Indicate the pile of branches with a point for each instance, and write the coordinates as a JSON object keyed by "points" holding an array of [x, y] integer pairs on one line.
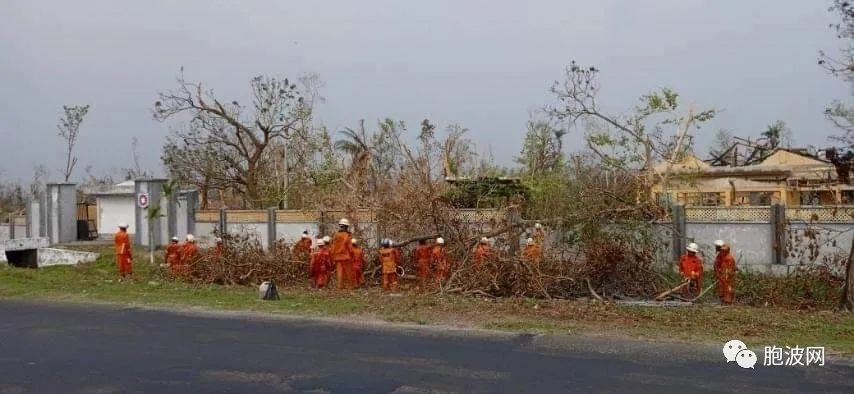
{"points": [[601, 269], [244, 261]]}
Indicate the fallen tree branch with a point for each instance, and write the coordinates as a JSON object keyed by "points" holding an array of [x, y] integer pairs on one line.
{"points": [[671, 291], [593, 292]]}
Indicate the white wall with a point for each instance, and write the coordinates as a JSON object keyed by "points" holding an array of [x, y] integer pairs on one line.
{"points": [[113, 210]]}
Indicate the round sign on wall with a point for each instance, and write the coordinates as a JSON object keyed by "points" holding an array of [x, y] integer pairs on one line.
{"points": [[142, 200]]}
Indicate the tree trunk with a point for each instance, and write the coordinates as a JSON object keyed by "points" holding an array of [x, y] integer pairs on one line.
{"points": [[847, 301]]}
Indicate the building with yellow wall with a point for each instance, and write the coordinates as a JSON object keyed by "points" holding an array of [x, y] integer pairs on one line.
{"points": [[786, 177]]}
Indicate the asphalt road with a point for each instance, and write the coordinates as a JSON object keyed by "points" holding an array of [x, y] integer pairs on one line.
{"points": [[84, 349]]}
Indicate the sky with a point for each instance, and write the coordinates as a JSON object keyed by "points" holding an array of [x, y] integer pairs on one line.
{"points": [[485, 65]]}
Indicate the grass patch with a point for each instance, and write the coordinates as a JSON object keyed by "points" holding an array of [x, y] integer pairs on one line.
{"points": [[757, 326]]}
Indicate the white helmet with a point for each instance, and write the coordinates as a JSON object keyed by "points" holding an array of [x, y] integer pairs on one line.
{"points": [[175, 239], [321, 242], [529, 241], [191, 238], [123, 225], [326, 239], [305, 234], [484, 240], [344, 222], [692, 247], [440, 241], [538, 226], [355, 241], [719, 243], [218, 240]]}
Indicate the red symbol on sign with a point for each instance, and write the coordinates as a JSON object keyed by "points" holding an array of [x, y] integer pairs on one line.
{"points": [[142, 200]]}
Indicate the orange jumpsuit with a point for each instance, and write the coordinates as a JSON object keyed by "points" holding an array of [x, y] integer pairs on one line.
{"points": [[341, 253], [189, 252], [173, 256], [441, 265], [389, 260], [124, 258], [482, 253], [533, 254], [421, 258], [302, 249], [691, 267], [320, 267], [725, 275], [358, 264]]}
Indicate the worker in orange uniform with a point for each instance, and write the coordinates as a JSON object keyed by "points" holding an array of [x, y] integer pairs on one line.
{"points": [[533, 253], [302, 248], [691, 269], [320, 265], [441, 265], [539, 235], [189, 254], [217, 252], [173, 254], [421, 260], [341, 252], [124, 256], [483, 252], [724, 273], [357, 264], [389, 260]]}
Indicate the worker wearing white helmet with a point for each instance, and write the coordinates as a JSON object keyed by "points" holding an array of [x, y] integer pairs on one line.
{"points": [[173, 254], [189, 254], [691, 269], [483, 252], [341, 253], [302, 248], [532, 252], [439, 259], [718, 244], [320, 266]]}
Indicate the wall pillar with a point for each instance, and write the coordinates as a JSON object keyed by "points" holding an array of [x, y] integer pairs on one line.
{"points": [[61, 212], [778, 233], [271, 229], [149, 228], [223, 222], [191, 201]]}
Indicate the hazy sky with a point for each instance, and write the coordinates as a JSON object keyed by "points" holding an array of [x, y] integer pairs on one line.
{"points": [[482, 64]]}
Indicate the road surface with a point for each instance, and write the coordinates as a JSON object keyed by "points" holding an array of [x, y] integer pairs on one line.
{"points": [[68, 348]]}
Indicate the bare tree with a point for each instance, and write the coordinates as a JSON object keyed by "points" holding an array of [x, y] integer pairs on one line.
{"points": [[69, 130], [634, 140], [237, 135]]}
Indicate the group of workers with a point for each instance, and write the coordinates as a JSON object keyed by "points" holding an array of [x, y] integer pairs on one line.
{"points": [[178, 255], [691, 270], [342, 255]]}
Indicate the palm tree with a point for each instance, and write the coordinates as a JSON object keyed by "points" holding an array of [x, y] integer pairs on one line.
{"points": [[355, 144]]}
